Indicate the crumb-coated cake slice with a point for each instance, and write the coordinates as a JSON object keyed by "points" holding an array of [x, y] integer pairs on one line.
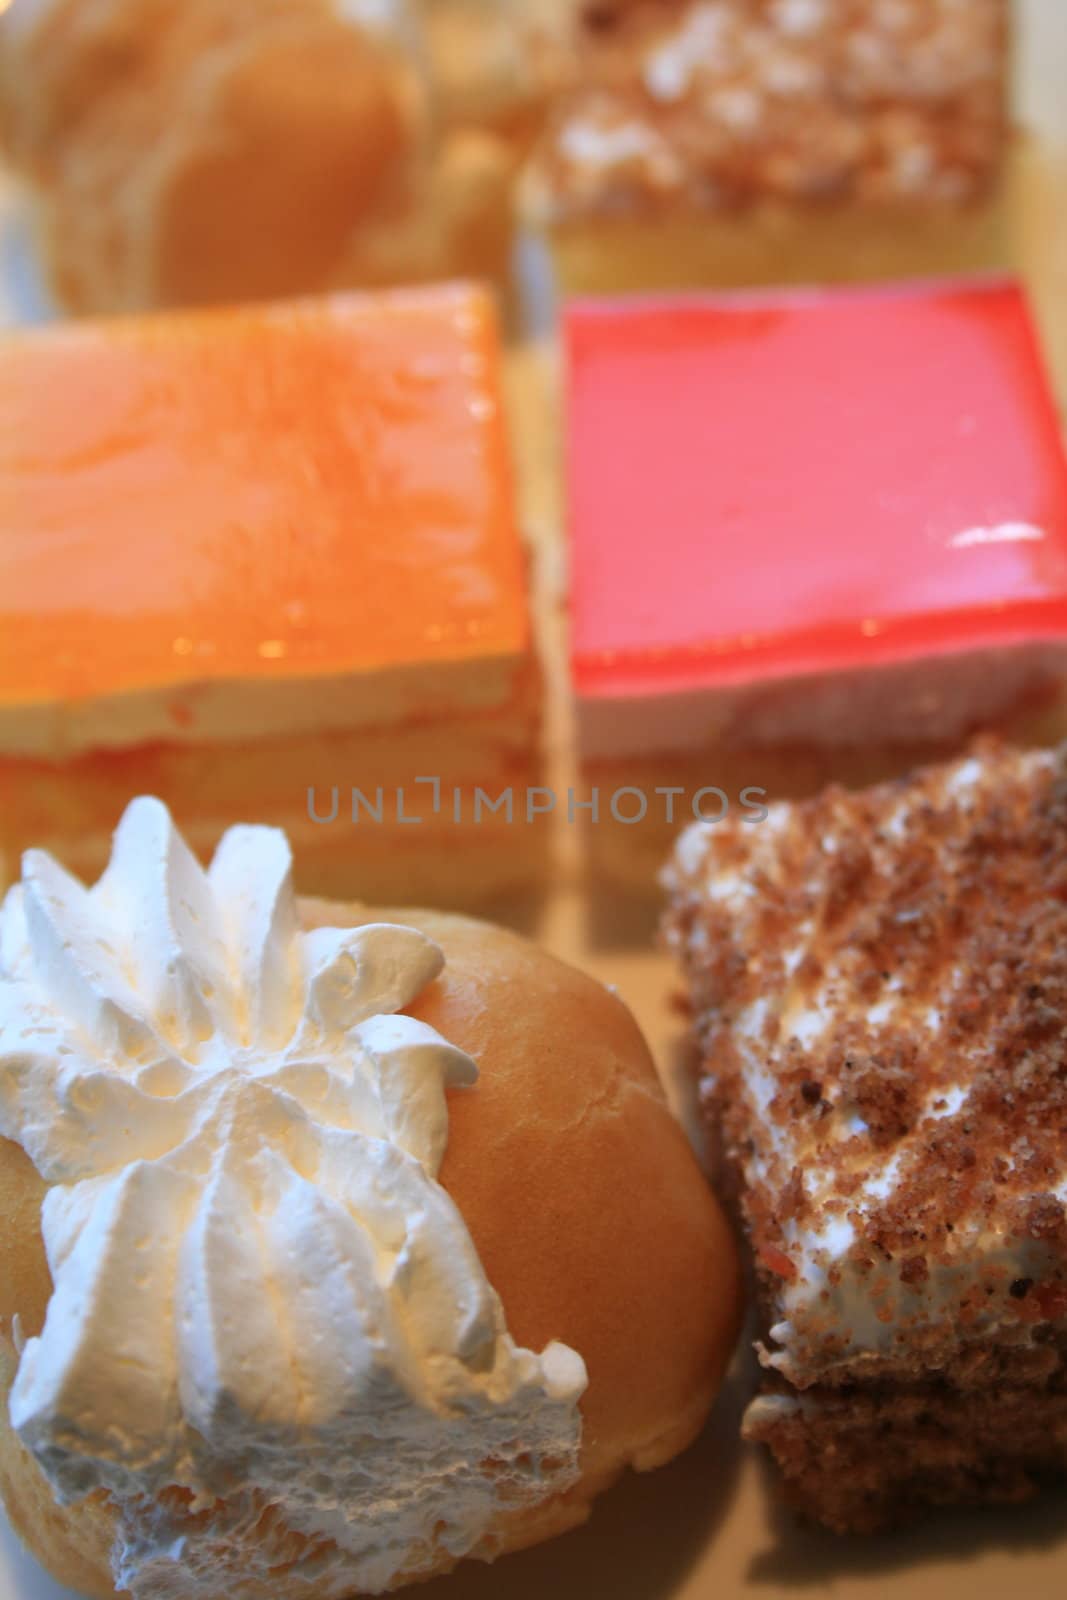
{"points": [[879, 982]]}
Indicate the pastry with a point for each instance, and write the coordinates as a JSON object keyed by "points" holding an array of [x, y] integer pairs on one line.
{"points": [[188, 151], [498, 67], [878, 982], [815, 536], [265, 562], [733, 142], [234, 149], [337, 1245]]}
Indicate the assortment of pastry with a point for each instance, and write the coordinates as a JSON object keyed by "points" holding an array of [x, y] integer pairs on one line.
{"points": [[228, 149], [340, 1244]]}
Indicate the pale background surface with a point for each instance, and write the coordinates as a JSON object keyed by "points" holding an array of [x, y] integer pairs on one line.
{"points": [[710, 1527]]}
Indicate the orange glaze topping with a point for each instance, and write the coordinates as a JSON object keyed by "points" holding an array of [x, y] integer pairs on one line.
{"points": [[302, 490]]}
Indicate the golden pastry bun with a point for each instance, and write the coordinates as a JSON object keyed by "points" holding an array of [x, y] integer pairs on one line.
{"points": [[184, 152], [593, 1222], [498, 65]]}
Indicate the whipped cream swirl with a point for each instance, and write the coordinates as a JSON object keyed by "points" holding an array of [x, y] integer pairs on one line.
{"points": [[270, 1340]]}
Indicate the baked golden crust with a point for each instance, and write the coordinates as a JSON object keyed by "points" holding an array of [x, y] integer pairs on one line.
{"points": [[74, 1542], [586, 1205], [566, 1154]]}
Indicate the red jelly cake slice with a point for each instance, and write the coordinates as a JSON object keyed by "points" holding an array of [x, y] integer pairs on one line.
{"points": [[815, 536]]}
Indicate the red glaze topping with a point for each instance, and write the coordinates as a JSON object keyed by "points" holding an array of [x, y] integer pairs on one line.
{"points": [[767, 485]]}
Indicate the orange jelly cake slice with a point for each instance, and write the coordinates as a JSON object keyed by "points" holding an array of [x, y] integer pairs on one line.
{"points": [[265, 564]]}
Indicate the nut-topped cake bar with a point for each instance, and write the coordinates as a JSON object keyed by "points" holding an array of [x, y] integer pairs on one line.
{"points": [[734, 142], [879, 982], [256, 560]]}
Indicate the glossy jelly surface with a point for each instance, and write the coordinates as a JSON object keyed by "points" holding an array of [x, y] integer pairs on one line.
{"points": [[307, 489], [768, 485]]}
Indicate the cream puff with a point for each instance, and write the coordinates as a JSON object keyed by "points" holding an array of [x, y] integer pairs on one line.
{"points": [[336, 1245]]}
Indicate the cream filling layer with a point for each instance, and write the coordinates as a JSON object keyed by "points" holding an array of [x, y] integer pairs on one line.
{"points": [[931, 700], [215, 710], [270, 1340]]}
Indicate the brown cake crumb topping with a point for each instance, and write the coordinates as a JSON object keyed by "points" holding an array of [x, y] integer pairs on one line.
{"points": [[880, 987], [726, 102]]}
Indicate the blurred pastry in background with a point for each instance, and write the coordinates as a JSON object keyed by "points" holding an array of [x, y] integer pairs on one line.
{"points": [[816, 536], [218, 150], [221, 150], [265, 562], [730, 142]]}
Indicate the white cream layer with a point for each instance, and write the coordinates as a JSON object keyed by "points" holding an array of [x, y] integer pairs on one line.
{"points": [[215, 710], [933, 700], [262, 1296]]}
